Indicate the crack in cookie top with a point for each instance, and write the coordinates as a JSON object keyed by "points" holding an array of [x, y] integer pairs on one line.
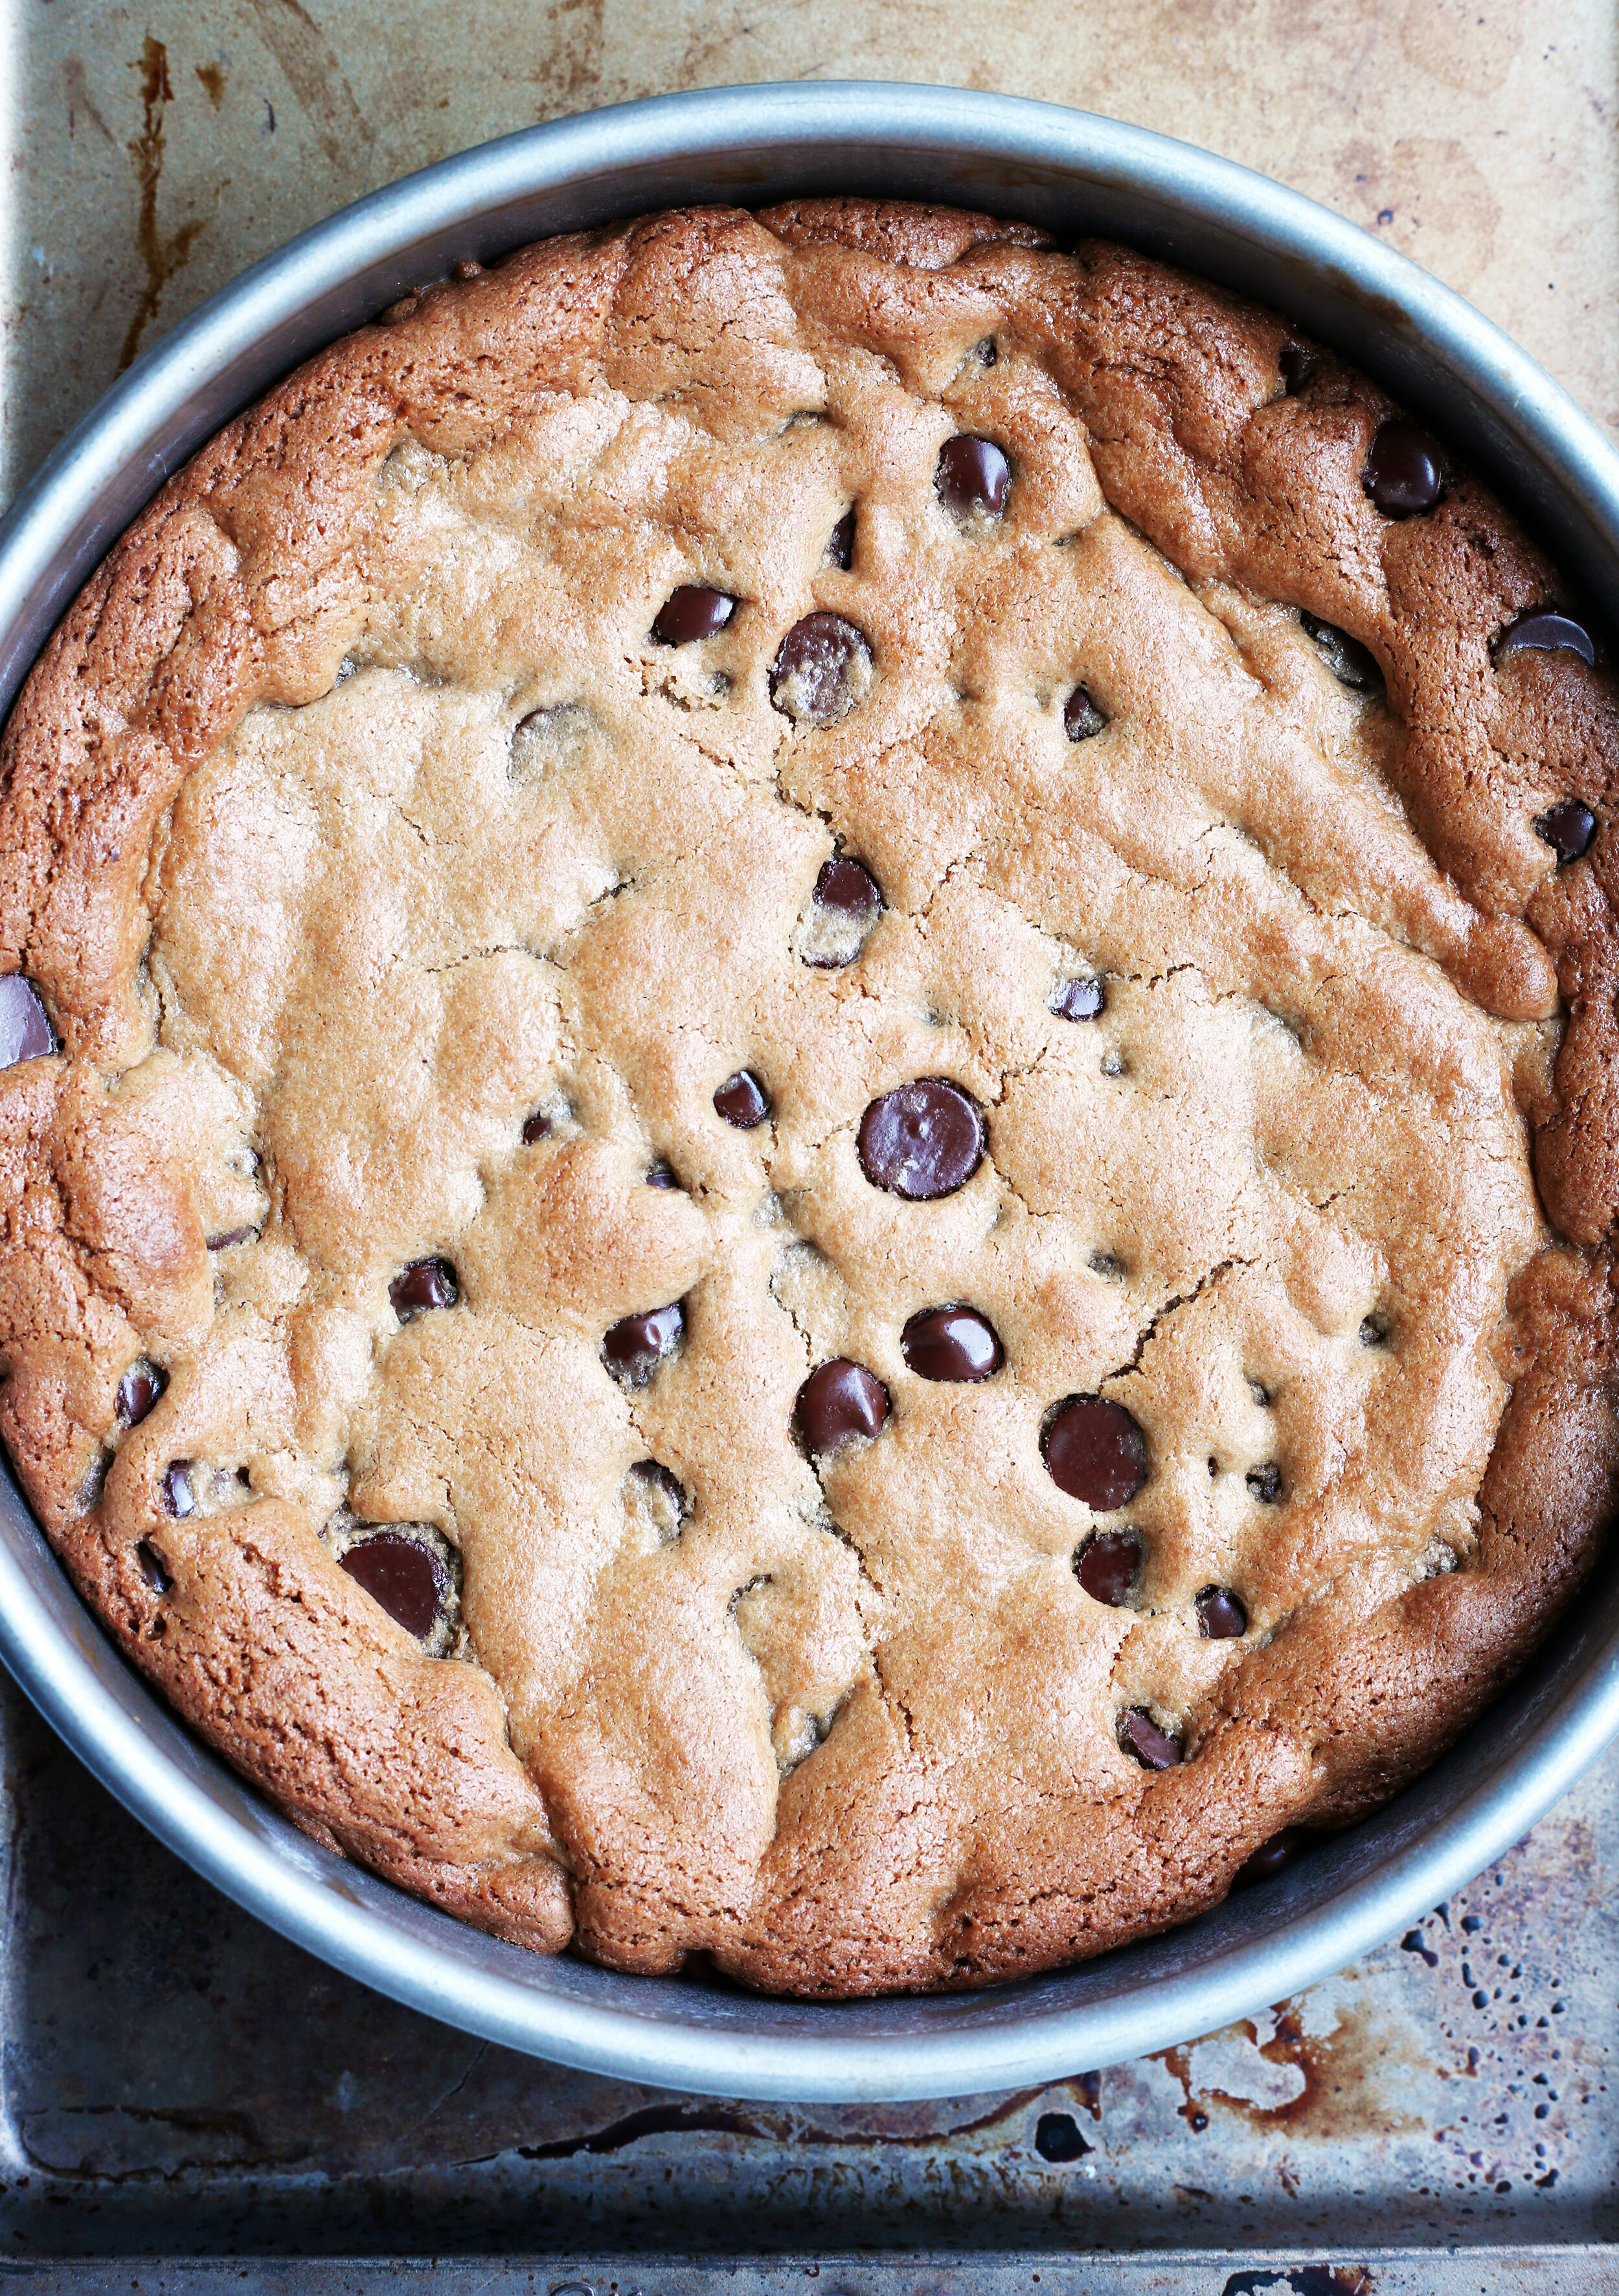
{"points": [[798, 1152]]}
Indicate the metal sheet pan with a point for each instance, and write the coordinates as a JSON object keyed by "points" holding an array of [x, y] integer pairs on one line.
{"points": [[1074, 173]]}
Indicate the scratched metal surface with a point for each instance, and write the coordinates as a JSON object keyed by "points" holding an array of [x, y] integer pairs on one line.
{"points": [[176, 2080]]}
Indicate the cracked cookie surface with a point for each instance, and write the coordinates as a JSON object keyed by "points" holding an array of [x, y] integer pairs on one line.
{"points": [[807, 987]]}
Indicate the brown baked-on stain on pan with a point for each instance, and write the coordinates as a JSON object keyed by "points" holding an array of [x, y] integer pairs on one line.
{"points": [[809, 1147]]}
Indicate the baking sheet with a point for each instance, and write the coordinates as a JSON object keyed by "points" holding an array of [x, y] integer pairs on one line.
{"points": [[176, 2079]]}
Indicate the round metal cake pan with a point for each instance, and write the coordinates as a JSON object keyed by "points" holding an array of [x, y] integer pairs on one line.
{"points": [[1076, 175]]}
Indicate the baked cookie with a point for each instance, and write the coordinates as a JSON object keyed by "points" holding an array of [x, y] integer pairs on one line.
{"points": [[810, 1146]]}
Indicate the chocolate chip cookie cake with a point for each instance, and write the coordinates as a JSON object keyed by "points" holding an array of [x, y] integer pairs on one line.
{"points": [[810, 1133]]}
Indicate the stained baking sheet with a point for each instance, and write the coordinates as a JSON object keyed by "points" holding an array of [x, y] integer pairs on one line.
{"points": [[176, 2082]]}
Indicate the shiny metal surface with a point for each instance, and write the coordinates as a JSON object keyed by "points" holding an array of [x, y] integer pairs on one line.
{"points": [[1075, 174]]}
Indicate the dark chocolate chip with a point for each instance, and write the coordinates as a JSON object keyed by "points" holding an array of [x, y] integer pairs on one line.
{"points": [[425, 1283], [1056, 2137], [972, 474], [1082, 998], [1544, 630], [951, 1343], [987, 352], [839, 1399], [139, 1390], [231, 1238], [839, 548], [1222, 1615], [1568, 829], [633, 1348], [1270, 1857], [25, 1033], [848, 889], [406, 1577], [922, 1140], [1082, 718], [536, 1127], [1108, 1565], [178, 1496], [1298, 363], [1095, 1451], [1374, 1329], [742, 1099], [153, 1569], [822, 671], [1151, 1746], [690, 613], [1402, 473], [1106, 1263], [1265, 1483], [1351, 663], [662, 1175]]}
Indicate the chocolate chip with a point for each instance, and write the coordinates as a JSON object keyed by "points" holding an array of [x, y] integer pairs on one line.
{"points": [[139, 1390], [1222, 1615], [848, 889], [1151, 1746], [406, 1578], [1350, 662], [25, 1033], [741, 1100], [839, 548], [1095, 1451], [153, 1569], [536, 1127], [839, 1399], [690, 613], [1568, 829], [1270, 1857], [822, 671], [843, 907], [1056, 2137], [1082, 998], [633, 1348], [232, 1237], [1108, 1565], [922, 1140], [425, 1283], [662, 1175], [972, 474], [1082, 718], [1265, 1483], [1297, 364], [178, 1496], [1544, 630], [950, 1343], [1374, 1329], [1107, 1264], [1402, 473]]}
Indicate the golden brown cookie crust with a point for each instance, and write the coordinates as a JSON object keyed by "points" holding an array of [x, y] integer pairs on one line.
{"points": [[353, 816]]}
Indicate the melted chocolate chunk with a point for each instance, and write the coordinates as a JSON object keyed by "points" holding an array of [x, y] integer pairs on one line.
{"points": [[139, 1390], [232, 1237], [633, 1348], [1096, 1452], [1222, 1615], [1403, 474], [1083, 721], [1151, 1746], [839, 1399], [972, 474], [741, 1100], [1108, 1565], [425, 1283], [692, 612], [951, 1343], [536, 1127], [1265, 1483], [1568, 829], [662, 1175], [1544, 630], [822, 671], [25, 1033], [1082, 998], [848, 889], [406, 1578], [1298, 363], [1270, 1857], [922, 1140], [153, 1569], [1351, 663], [178, 1496], [839, 548], [842, 908]]}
